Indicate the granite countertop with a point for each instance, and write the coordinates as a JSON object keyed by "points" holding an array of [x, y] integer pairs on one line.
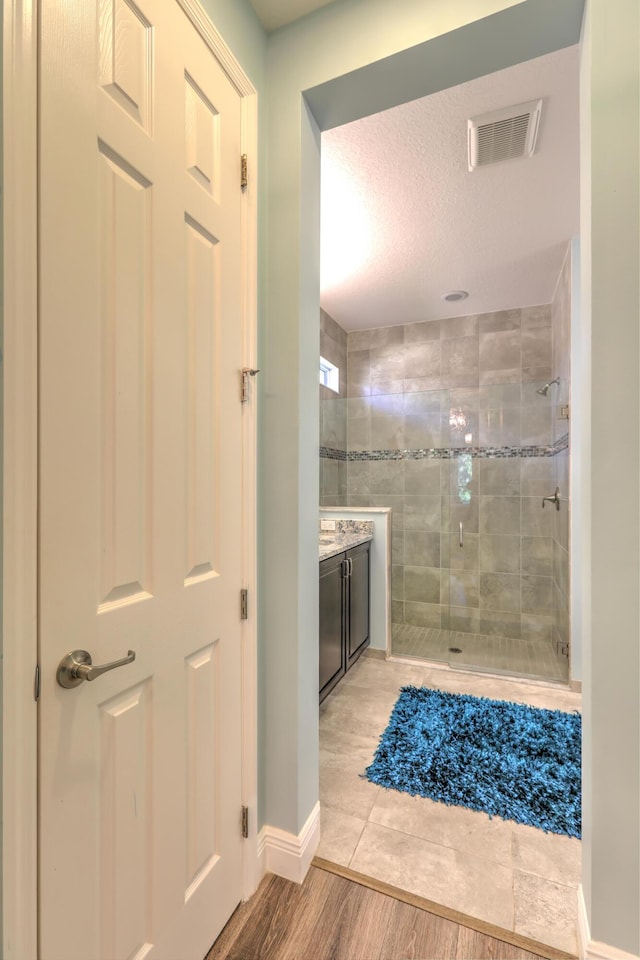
{"points": [[348, 534]]}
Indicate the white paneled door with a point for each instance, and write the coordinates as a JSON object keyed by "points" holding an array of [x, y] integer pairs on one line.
{"points": [[140, 485]]}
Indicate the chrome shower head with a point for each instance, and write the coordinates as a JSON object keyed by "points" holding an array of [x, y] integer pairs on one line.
{"points": [[543, 391]]}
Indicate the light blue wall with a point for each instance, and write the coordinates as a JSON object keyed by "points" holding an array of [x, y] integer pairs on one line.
{"points": [[1, 439], [238, 24], [611, 294], [327, 55]]}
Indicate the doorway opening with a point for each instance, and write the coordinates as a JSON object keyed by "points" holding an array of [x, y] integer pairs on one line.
{"points": [[455, 409]]}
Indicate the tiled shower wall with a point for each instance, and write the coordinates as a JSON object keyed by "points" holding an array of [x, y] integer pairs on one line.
{"points": [[450, 429], [444, 424], [333, 417]]}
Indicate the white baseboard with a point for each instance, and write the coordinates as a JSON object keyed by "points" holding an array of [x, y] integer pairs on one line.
{"points": [[589, 949], [584, 936], [286, 854], [602, 951]]}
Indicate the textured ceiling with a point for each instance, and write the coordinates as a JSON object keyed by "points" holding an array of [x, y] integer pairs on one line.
{"points": [[276, 13], [404, 221]]}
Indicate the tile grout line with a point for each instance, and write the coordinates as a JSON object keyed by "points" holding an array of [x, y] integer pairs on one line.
{"points": [[438, 843], [364, 824]]}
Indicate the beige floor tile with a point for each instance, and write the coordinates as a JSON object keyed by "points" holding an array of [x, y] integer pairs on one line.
{"points": [[337, 739], [547, 855], [479, 888], [342, 787], [453, 681], [362, 695], [363, 711], [385, 674], [469, 831], [553, 700], [545, 910], [339, 835]]}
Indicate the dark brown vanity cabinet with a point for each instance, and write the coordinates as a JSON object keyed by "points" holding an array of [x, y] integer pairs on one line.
{"points": [[344, 613]]}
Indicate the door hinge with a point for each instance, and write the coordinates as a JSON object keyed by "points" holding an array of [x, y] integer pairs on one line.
{"points": [[36, 683], [245, 373], [245, 823], [244, 604], [243, 171]]}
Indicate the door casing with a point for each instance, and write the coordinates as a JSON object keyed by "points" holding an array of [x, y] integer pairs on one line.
{"points": [[20, 452]]}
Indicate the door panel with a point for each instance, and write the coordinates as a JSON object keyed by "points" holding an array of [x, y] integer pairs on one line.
{"points": [[125, 839], [332, 625], [140, 506], [203, 726], [202, 311], [125, 306], [125, 39], [358, 600]]}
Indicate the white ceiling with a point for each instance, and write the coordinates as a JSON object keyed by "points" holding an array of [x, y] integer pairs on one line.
{"points": [[276, 13], [404, 221]]}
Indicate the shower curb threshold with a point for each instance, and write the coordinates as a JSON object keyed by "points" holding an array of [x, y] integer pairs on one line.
{"points": [[460, 671]]}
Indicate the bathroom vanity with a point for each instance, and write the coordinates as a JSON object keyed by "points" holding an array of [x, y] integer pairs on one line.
{"points": [[344, 602]]}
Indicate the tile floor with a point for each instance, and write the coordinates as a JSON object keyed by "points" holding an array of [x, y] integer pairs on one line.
{"points": [[508, 874], [535, 659]]}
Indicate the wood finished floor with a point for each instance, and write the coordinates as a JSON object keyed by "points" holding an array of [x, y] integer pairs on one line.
{"points": [[332, 918]]}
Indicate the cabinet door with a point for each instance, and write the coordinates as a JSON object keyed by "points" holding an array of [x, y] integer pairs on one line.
{"points": [[358, 627], [332, 626]]}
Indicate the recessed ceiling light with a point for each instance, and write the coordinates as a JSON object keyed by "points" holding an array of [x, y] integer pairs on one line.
{"points": [[455, 295]]}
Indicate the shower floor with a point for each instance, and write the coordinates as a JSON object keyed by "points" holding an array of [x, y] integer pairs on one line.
{"points": [[534, 659]]}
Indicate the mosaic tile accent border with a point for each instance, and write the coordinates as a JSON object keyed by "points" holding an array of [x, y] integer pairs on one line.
{"points": [[449, 453], [330, 453]]}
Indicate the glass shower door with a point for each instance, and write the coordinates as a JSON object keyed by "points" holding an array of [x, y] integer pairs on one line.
{"points": [[501, 545], [461, 547], [420, 529]]}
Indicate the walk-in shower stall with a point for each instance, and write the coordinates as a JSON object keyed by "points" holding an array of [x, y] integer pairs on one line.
{"points": [[461, 426]]}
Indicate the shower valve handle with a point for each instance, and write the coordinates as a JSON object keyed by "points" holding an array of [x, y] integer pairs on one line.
{"points": [[554, 499]]}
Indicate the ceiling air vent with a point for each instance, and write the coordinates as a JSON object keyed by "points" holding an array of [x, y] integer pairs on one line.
{"points": [[504, 134]]}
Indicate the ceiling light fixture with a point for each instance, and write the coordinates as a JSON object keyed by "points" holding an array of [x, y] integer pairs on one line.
{"points": [[455, 295]]}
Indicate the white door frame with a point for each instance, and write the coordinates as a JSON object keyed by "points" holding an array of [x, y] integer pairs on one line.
{"points": [[20, 466]]}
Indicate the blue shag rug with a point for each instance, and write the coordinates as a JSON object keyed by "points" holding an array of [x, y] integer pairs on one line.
{"points": [[508, 760]]}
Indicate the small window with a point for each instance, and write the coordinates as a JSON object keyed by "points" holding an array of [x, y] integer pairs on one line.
{"points": [[329, 375]]}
